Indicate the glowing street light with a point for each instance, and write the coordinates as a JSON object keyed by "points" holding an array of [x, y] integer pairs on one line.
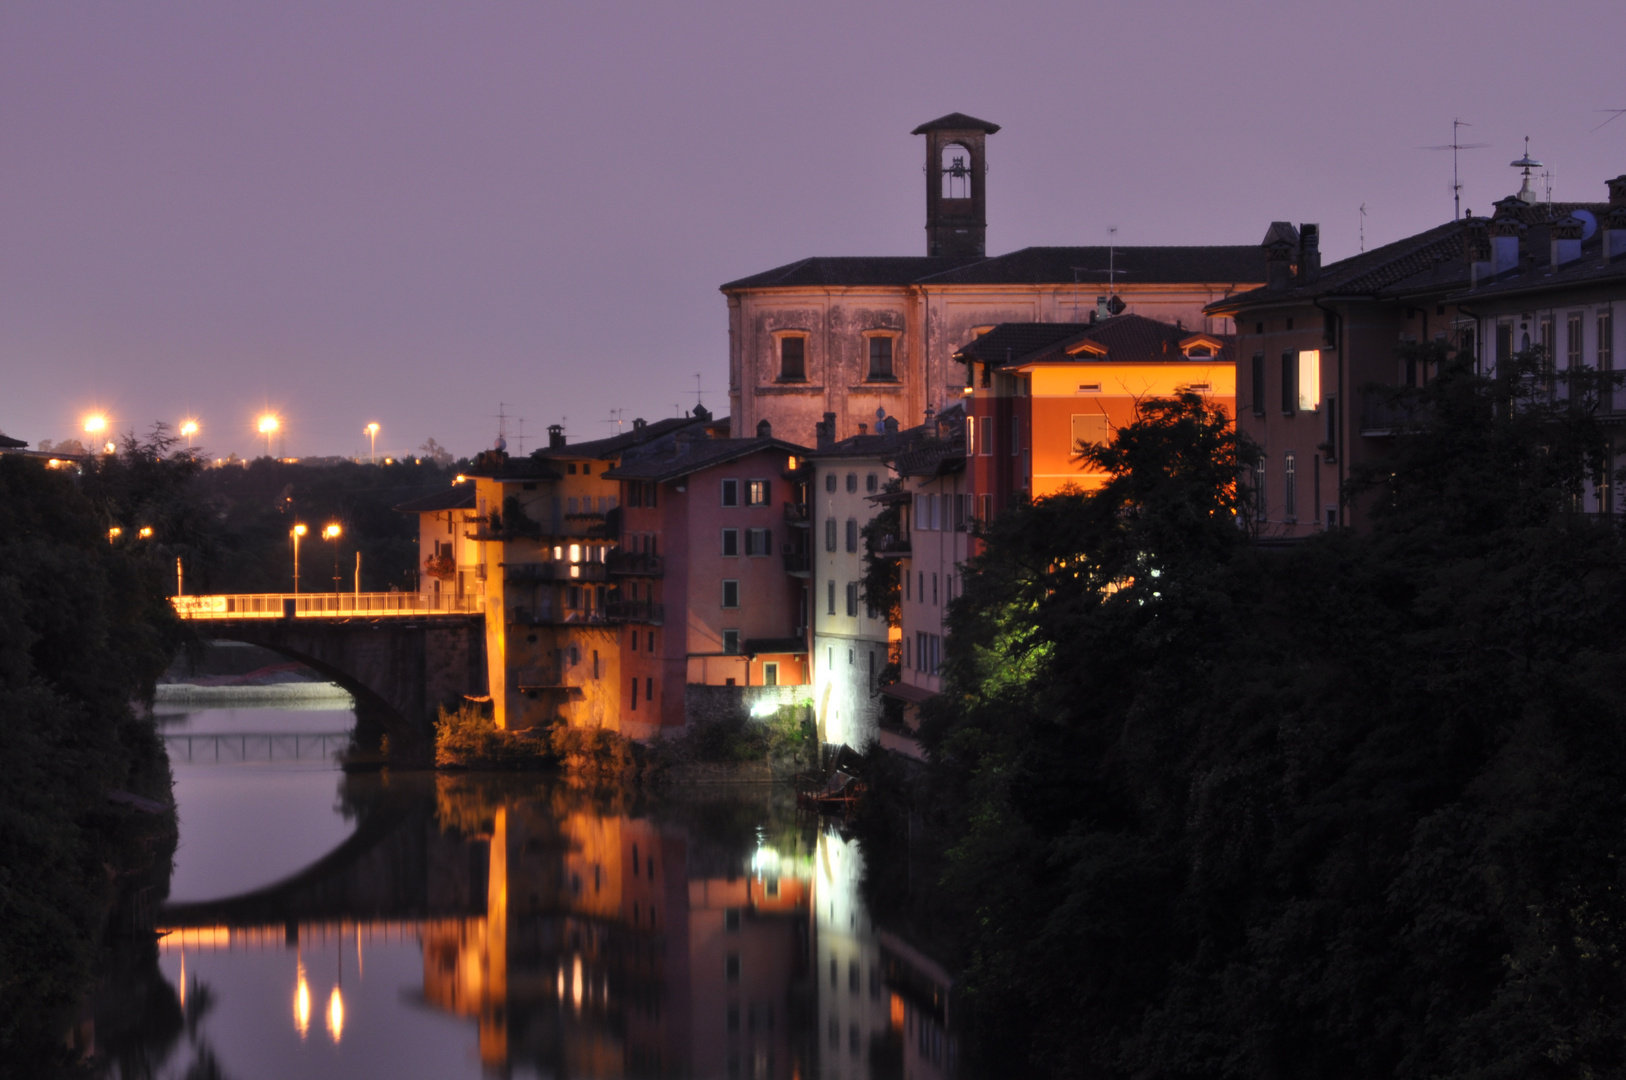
{"points": [[189, 432], [145, 532], [269, 423], [296, 533], [95, 423], [332, 532], [372, 442], [114, 533]]}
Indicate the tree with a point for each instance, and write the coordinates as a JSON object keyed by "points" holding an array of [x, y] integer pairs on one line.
{"points": [[436, 453]]}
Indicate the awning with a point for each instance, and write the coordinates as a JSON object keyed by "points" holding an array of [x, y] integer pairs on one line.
{"points": [[914, 695]]}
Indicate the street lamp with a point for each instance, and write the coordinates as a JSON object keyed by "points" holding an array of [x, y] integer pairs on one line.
{"points": [[95, 423], [298, 531], [372, 442], [189, 431], [331, 532], [268, 426]]}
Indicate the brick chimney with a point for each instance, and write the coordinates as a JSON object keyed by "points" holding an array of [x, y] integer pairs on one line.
{"points": [[1476, 248], [556, 436], [1565, 236], [1507, 236], [1309, 252]]}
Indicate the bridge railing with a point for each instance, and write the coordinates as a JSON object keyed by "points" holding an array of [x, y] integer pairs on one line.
{"points": [[325, 605]]}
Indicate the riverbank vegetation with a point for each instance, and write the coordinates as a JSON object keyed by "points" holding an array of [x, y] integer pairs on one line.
{"points": [[85, 631], [1348, 808]]}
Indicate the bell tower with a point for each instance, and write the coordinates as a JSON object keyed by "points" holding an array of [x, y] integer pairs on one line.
{"points": [[956, 198]]}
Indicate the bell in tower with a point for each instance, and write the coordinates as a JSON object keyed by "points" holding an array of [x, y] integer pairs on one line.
{"points": [[956, 201]]}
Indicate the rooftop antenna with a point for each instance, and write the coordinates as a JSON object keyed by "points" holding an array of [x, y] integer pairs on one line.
{"points": [[1363, 226], [1617, 114], [1455, 145], [1111, 272], [1547, 178], [502, 426], [697, 390], [615, 418], [1527, 194], [519, 440]]}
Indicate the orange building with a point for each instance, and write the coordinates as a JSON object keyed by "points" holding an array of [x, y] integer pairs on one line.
{"points": [[1034, 391]]}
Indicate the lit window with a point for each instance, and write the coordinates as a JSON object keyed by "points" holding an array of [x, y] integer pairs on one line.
{"points": [[1309, 380], [757, 492]]}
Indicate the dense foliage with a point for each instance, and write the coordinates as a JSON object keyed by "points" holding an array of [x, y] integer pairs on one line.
{"points": [[1348, 809], [85, 630]]}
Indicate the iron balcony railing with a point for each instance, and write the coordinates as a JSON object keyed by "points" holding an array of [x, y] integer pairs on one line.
{"points": [[798, 513], [554, 571], [644, 611], [636, 564], [326, 605]]}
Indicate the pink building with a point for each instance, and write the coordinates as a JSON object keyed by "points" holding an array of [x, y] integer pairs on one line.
{"points": [[723, 577]]}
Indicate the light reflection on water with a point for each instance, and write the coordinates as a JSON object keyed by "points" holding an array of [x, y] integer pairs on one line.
{"points": [[418, 925]]}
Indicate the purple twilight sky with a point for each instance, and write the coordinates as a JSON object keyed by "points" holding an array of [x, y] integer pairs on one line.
{"points": [[410, 212]]}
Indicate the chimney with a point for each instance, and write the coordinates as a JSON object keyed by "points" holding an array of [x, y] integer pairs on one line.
{"points": [[1309, 252], [764, 429], [556, 436], [1100, 311], [681, 443], [825, 432], [1614, 222], [1507, 235], [1281, 244], [892, 425], [638, 424], [863, 429], [1476, 248], [1566, 239]]}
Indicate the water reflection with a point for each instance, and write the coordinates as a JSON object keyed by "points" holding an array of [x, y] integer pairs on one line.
{"points": [[501, 926]]}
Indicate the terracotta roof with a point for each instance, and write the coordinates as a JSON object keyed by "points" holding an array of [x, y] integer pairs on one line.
{"points": [[1231, 264], [665, 459], [616, 445], [460, 497], [956, 121], [1126, 338]]}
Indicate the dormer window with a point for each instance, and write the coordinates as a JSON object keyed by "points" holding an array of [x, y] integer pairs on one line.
{"points": [[1199, 352], [1200, 347], [792, 358]]}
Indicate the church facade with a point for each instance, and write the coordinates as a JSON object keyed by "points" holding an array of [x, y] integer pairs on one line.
{"points": [[871, 337]]}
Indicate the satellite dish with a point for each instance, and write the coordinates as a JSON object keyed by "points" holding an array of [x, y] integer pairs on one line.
{"points": [[880, 414], [1589, 222], [502, 443]]}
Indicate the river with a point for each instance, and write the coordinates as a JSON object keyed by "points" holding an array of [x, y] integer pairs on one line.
{"points": [[325, 924]]}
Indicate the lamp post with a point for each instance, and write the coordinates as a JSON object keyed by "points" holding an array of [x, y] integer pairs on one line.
{"points": [[268, 427], [372, 443], [298, 531], [189, 432], [331, 532]]}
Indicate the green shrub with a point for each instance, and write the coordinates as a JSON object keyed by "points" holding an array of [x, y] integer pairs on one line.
{"points": [[467, 738]]}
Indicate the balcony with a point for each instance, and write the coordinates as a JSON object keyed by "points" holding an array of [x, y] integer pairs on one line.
{"points": [[800, 514], [636, 564], [639, 611], [570, 573], [894, 547], [546, 677], [798, 563]]}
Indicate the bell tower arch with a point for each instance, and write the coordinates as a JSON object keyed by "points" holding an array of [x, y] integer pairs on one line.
{"points": [[956, 195]]}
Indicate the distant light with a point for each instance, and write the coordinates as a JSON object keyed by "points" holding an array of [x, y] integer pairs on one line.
{"points": [[114, 533], [108, 447], [300, 530], [372, 429], [331, 531], [335, 1015], [146, 532], [269, 423], [460, 479], [189, 428], [94, 423]]}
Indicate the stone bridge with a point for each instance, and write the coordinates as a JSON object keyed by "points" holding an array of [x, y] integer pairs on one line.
{"points": [[401, 655]]}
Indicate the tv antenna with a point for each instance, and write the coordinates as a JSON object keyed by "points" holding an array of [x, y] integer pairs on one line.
{"points": [[1617, 114], [1456, 145], [697, 390], [502, 426], [615, 418], [1114, 305], [1363, 226]]}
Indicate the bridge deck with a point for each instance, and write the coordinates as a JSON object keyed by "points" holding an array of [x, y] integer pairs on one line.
{"points": [[371, 605]]}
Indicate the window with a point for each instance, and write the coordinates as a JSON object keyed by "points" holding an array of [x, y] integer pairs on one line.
{"points": [[985, 436], [1309, 380], [759, 542], [1260, 507], [1572, 342], [852, 482], [635, 690], [830, 482], [731, 542], [731, 642], [731, 593], [731, 919], [1089, 428], [770, 674], [971, 437], [872, 484], [830, 597], [731, 493], [852, 599], [793, 359], [1258, 384], [829, 534], [757, 492], [985, 508], [1606, 358], [595, 663], [880, 357], [651, 641], [649, 693], [731, 967], [1504, 344], [852, 534], [1290, 488]]}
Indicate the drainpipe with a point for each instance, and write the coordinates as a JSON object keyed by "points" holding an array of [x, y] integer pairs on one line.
{"points": [[1340, 424]]}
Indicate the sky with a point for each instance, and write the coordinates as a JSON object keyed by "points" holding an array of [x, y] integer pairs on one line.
{"points": [[421, 214]]}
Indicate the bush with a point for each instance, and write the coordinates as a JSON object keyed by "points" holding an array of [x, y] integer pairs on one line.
{"points": [[466, 738]]}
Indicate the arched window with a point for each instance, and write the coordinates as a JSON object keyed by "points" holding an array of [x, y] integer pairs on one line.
{"points": [[956, 172]]}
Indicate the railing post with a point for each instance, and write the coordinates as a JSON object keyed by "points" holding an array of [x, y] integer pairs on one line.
{"points": [[289, 608]]}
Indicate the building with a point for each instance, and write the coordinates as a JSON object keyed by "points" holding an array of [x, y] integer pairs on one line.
{"points": [[934, 506], [448, 559], [707, 514], [851, 639], [1316, 345], [1036, 390], [850, 336]]}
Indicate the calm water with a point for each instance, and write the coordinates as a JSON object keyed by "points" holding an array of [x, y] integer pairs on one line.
{"points": [[331, 925]]}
